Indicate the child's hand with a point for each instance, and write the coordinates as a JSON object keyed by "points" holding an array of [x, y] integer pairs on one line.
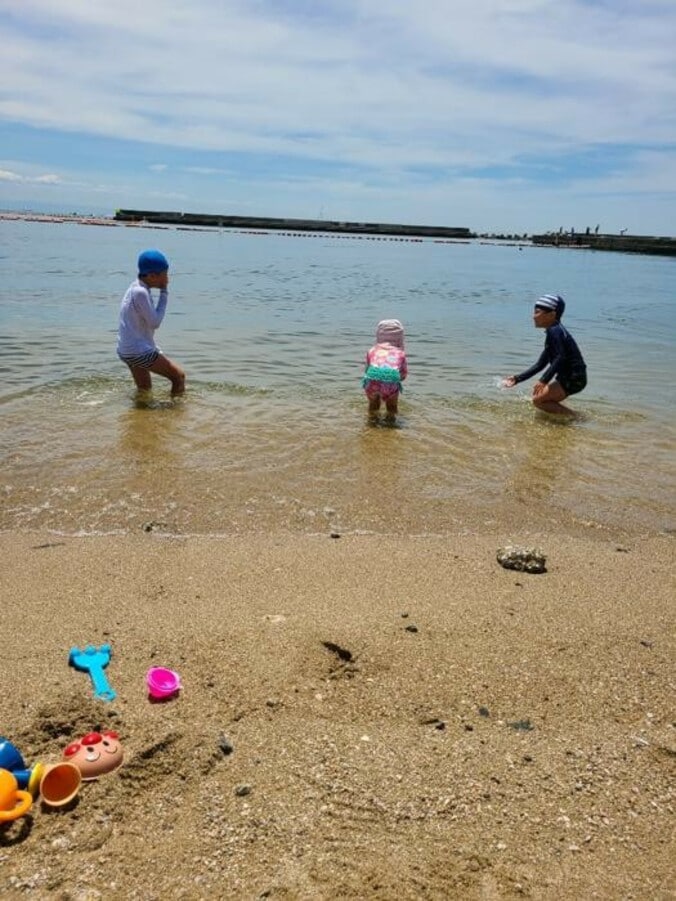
{"points": [[538, 388], [509, 382]]}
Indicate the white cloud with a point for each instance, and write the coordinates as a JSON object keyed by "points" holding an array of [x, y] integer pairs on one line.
{"points": [[208, 170], [16, 177], [50, 179], [223, 77], [374, 89]]}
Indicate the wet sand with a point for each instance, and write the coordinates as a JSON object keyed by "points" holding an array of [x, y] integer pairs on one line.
{"points": [[361, 717]]}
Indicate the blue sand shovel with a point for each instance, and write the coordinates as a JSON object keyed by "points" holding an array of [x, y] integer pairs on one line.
{"points": [[93, 661]]}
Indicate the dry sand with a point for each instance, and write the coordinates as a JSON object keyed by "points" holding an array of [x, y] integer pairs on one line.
{"points": [[408, 719]]}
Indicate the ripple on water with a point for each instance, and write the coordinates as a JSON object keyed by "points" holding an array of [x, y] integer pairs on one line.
{"points": [[234, 458]]}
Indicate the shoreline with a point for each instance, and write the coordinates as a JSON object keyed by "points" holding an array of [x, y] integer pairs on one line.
{"points": [[647, 245], [408, 718]]}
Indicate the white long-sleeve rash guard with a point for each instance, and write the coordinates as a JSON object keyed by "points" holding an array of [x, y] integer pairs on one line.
{"points": [[139, 319]]}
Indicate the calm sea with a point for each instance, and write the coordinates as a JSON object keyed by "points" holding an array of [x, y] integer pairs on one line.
{"points": [[272, 330]]}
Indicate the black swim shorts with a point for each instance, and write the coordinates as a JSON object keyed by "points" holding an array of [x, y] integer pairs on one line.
{"points": [[573, 383]]}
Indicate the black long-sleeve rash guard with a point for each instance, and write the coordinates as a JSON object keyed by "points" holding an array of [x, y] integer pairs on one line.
{"points": [[561, 353]]}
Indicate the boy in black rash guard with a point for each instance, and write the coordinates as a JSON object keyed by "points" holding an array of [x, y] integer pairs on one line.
{"points": [[566, 371]]}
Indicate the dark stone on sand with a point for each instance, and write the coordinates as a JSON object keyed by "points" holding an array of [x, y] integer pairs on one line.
{"points": [[225, 745], [342, 653], [521, 726], [438, 724], [522, 559]]}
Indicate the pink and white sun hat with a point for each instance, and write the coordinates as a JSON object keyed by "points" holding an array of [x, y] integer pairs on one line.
{"points": [[390, 331]]}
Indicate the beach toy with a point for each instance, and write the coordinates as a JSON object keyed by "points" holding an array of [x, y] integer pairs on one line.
{"points": [[11, 759], [10, 756], [162, 682], [95, 754], [35, 779], [59, 784], [93, 661], [14, 802]]}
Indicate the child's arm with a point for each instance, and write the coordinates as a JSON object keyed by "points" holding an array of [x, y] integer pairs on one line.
{"points": [[144, 305], [403, 368], [161, 307], [542, 361]]}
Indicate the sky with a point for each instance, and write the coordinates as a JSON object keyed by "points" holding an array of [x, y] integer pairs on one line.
{"points": [[502, 116]]}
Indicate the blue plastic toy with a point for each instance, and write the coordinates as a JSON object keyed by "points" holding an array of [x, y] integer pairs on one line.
{"points": [[11, 759], [93, 661]]}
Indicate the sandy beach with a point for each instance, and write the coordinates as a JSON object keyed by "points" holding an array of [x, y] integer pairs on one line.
{"points": [[361, 717]]}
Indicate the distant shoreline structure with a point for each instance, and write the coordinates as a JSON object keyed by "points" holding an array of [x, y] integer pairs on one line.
{"points": [[646, 244], [153, 219], [297, 225]]}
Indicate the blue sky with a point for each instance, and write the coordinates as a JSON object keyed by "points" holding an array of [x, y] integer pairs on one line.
{"points": [[500, 115]]}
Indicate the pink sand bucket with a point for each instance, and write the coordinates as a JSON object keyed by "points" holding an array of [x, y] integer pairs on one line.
{"points": [[162, 682]]}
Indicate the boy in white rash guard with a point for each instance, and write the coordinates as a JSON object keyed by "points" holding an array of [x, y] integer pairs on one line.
{"points": [[139, 319]]}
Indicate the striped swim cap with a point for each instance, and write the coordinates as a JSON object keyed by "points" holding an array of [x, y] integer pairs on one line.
{"points": [[551, 302]]}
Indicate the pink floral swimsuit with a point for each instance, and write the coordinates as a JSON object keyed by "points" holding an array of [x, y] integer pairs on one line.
{"points": [[386, 369]]}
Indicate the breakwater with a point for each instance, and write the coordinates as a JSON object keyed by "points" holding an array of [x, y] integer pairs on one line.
{"points": [[662, 246], [299, 225]]}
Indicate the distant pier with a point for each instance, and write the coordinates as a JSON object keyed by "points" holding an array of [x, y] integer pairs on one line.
{"points": [[622, 243], [298, 225]]}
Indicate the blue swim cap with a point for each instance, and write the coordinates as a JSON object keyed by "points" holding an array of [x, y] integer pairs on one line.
{"points": [[152, 261]]}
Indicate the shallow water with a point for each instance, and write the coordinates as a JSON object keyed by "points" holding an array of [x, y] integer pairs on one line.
{"points": [[272, 330]]}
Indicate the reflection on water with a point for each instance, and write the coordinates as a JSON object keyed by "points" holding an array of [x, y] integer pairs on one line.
{"points": [[149, 431], [382, 465], [88, 457], [543, 451]]}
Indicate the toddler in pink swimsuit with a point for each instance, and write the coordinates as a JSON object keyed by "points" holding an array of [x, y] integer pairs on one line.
{"points": [[386, 368]]}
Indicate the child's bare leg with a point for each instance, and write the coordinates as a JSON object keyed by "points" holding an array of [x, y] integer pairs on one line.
{"points": [[164, 366], [549, 400], [141, 378], [392, 406], [374, 405]]}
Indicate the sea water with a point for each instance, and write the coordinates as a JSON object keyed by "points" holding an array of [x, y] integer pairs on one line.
{"points": [[272, 329]]}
